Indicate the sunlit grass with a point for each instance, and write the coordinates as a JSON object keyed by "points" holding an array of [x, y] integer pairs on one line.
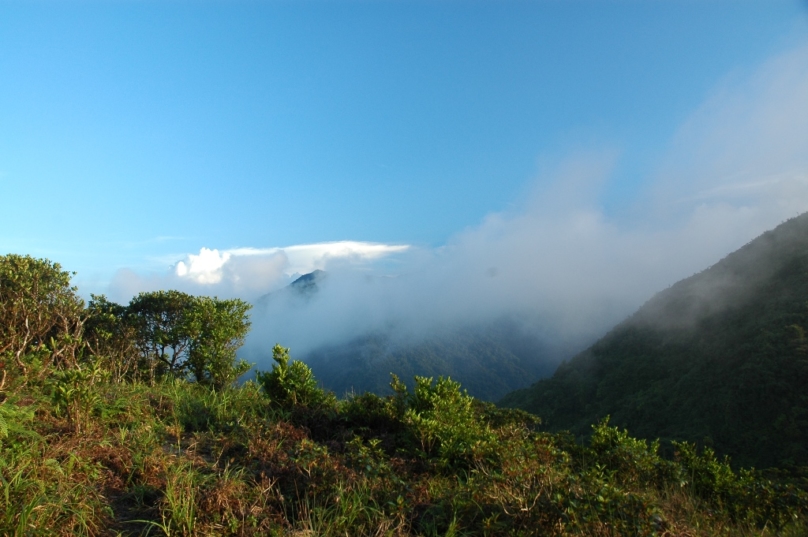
{"points": [[180, 459]]}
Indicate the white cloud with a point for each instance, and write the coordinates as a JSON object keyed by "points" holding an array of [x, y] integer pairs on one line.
{"points": [[249, 272], [205, 268], [305, 258], [737, 167]]}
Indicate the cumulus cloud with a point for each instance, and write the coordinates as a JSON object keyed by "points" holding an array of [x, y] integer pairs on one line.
{"points": [[205, 268]]}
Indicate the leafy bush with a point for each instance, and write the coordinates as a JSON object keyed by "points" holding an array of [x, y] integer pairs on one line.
{"points": [[744, 496], [291, 385], [39, 311], [110, 335], [443, 420], [73, 392], [633, 460]]}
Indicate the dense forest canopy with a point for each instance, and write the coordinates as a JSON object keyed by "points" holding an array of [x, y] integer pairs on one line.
{"points": [[489, 359]]}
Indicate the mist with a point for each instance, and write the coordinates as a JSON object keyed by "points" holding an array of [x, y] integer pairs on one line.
{"points": [[558, 260]]}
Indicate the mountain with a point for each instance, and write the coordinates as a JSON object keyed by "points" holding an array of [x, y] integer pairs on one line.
{"points": [[720, 358], [308, 282], [303, 287], [488, 360]]}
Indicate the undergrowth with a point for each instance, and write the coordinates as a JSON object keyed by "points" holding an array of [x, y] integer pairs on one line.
{"points": [[178, 458]]}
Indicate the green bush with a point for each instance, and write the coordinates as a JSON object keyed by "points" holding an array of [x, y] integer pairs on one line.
{"points": [[633, 460], [40, 316], [443, 420], [74, 393], [291, 385]]}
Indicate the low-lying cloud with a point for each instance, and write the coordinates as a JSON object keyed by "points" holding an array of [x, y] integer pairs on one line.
{"points": [[737, 167]]}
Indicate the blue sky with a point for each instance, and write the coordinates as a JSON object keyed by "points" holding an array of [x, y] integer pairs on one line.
{"points": [[134, 134]]}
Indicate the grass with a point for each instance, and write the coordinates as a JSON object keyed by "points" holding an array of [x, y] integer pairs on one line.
{"points": [[178, 459]]}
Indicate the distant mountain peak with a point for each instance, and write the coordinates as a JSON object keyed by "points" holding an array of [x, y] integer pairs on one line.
{"points": [[303, 286], [308, 282]]}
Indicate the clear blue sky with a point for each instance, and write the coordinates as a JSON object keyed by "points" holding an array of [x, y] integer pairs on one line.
{"points": [[134, 131]]}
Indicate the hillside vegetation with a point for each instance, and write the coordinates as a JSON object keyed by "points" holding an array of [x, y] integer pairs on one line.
{"points": [[720, 359], [489, 360], [125, 420]]}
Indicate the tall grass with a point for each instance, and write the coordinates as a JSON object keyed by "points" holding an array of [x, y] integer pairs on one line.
{"points": [[179, 459]]}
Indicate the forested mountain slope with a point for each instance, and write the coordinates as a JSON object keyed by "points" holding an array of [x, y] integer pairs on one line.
{"points": [[719, 358], [489, 359]]}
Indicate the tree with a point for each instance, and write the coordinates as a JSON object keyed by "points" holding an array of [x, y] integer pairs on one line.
{"points": [[110, 335], [218, 328], [163, 322], [40, 314], [178, 334]]}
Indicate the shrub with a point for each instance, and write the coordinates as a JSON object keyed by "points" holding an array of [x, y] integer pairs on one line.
{"points": [[291, 385], [443, 420], [632, 459], [744, 496], [39, 311], [74, 392]]}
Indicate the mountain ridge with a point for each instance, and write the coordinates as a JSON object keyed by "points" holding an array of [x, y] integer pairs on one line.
{"points": [[489, 359], [718, 358]]}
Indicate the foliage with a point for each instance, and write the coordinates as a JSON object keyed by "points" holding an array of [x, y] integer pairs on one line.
{"points": [[39, 310], [169, 333], [444, 421], [164, 330], [290, 385], [73, 393], [110, 335], [14, 421], [178, 458], [219, 328], [633, 460]]}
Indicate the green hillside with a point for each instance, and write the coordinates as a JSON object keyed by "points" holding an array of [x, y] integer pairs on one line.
{"points": [[720, 358]]}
